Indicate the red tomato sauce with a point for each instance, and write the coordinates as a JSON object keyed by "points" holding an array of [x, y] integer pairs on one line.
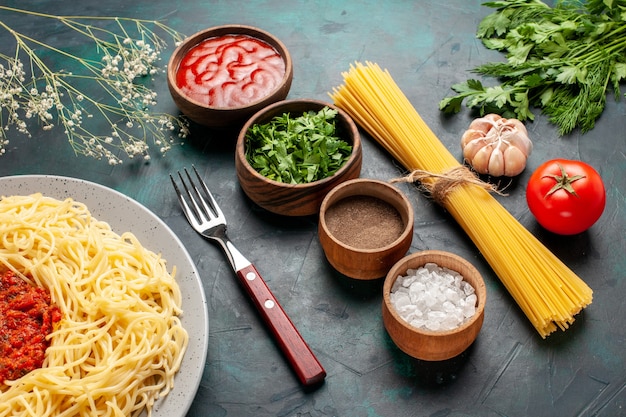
{"points": [[26, 318], [230, 71]]}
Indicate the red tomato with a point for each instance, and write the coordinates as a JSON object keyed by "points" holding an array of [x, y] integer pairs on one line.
{"points": [[566, 197]]}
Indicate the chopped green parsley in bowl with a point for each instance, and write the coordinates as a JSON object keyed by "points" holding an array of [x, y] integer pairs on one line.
{"points": [[292, 153]]}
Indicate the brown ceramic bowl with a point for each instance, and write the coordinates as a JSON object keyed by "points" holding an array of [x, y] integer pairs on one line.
{"points": [[295, 199], [358, 259], [433, 345], [222, 117]]}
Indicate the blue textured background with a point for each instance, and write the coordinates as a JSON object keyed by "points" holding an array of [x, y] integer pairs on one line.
{"points": [[427, 46]]}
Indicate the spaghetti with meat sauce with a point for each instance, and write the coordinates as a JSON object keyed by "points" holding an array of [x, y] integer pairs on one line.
{"points": [[111, 306]]}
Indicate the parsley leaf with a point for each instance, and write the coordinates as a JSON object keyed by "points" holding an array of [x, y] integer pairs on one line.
{"points": [[297, 150], [560, 59]]}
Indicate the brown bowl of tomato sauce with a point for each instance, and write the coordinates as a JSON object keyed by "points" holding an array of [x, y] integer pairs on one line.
{"points": [[221, 76]]}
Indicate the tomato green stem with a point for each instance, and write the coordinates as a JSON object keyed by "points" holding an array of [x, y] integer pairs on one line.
{"points": [[563, 182]]}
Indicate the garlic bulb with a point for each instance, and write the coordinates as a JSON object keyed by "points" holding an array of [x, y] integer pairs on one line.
{"points": [[496, 146]]}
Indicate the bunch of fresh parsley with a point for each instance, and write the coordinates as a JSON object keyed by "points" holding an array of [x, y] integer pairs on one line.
{"points": [[561, 59], [297, 150]]}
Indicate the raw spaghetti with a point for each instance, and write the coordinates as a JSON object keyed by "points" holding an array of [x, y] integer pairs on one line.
{"points": [[120, 340], [548, 292]]}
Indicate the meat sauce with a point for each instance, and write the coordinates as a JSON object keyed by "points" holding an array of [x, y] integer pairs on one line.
{"points": [[230, 71], [27, 317]]}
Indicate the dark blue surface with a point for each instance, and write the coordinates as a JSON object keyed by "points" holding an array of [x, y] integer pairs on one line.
{"points": [[427, 46]]}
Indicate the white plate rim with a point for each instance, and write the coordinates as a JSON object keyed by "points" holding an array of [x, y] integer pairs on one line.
{"points": [[104, 203]]}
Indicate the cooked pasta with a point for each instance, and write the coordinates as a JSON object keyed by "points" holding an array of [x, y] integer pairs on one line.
{"points": [[120, 340], [548, 292]]}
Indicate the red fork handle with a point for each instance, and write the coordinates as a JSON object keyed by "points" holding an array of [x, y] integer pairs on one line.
{"points": [[303, 361]]}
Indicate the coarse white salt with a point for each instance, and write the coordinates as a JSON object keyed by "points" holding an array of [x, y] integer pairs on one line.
{"points": [[433, 298]]}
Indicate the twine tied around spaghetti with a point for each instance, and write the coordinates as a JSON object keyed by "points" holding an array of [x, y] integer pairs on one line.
{"points": [[438, 186]]}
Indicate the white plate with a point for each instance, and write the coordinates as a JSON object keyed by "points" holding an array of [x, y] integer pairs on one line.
{"points": [[126, 214]]}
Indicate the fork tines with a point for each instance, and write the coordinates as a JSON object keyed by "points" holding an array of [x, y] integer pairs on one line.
{"points": [[203, 206]]}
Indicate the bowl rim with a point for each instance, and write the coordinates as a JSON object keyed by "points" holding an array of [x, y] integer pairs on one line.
{"points": [[482, 299], [228, 29], [241, 137], [407, 211]]}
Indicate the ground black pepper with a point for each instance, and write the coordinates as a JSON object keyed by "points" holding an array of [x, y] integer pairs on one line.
{"points": [[364, 222]]}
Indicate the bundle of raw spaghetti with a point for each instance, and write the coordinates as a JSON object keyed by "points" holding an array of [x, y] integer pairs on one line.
{"points": [[549, 293], [120, 340]]}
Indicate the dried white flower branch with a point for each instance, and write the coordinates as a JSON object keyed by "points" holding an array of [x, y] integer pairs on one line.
{"points": [[36, 93]]}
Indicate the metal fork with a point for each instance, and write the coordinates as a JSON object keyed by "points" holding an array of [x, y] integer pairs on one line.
{"points": [[207, 219]]}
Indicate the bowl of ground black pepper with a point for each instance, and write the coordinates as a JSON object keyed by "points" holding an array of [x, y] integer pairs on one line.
{"points": [[365, 227]]}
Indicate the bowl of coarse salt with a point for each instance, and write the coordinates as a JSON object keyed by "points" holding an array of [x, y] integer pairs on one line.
{"points": [[433, 305]]}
